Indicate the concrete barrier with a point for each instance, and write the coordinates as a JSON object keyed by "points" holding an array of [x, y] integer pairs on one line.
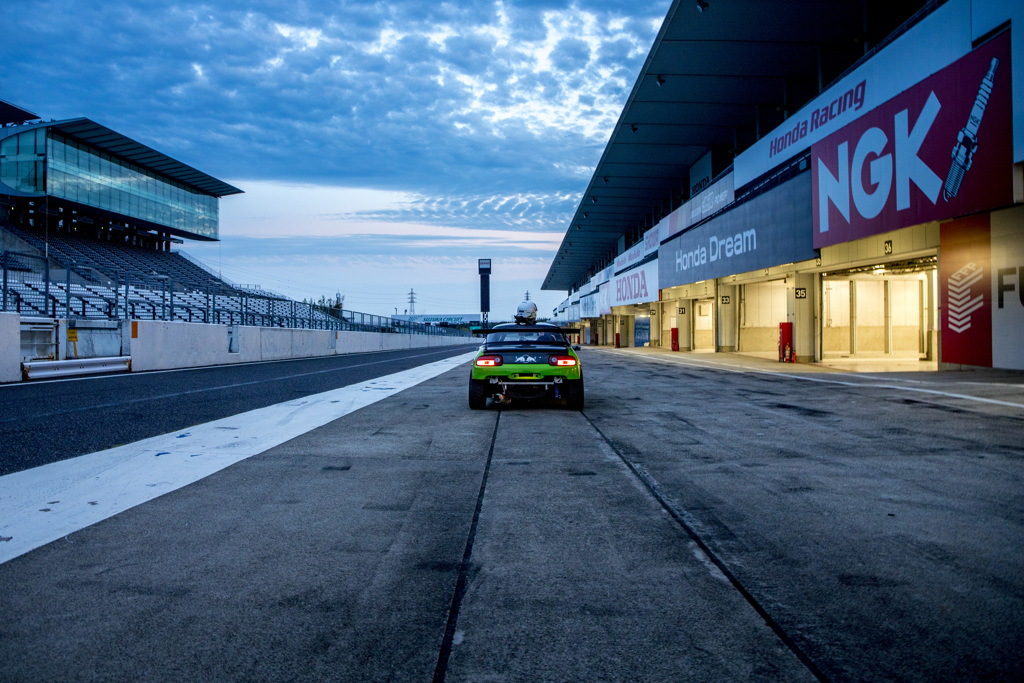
{"points": [[159, 345], [278, 343], [10, 347], [96, 339]]}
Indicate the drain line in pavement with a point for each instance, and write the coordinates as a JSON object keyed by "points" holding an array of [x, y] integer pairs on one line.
{"points": [[463, 581], [653, 488]]}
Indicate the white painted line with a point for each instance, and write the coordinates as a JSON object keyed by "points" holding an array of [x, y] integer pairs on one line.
{"points": [[43, 504], [743, 369]]}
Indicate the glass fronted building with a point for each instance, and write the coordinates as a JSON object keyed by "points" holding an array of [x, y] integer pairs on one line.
{"points": [[90, 168]]}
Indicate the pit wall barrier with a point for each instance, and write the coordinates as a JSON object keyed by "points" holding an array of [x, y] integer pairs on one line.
{"points": [[160, 345], [10, 347], [164, 345]]}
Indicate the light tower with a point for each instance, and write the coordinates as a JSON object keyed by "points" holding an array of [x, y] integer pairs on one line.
{"points": [[484, 268]]}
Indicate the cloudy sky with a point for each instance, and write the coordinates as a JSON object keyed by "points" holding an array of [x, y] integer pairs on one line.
{"points": [[382, 146]]}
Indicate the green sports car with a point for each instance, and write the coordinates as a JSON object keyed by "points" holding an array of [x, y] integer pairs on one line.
{"points": [[526, 361]]}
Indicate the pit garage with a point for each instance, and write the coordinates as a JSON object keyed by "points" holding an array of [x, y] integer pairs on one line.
{"points": [[762, 307], [886, 310]]}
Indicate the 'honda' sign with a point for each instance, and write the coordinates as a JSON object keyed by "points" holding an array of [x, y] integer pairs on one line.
{"points": [[636, 286], [938, 150]]}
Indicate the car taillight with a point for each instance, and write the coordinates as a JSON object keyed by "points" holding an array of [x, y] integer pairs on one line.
{"points": [[488, 361], [562, 361]]}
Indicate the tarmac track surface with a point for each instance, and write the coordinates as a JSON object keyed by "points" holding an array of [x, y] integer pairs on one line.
{"points": [[693, 523], [42, 422]]}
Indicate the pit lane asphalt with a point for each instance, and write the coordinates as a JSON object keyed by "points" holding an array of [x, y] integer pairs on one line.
{"points": [[43, 422], [880, 529]]}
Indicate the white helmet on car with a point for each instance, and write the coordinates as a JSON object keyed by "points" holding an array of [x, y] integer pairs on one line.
{"points": [[526, 314]]}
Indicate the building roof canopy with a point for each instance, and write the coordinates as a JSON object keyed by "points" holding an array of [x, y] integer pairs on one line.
{"points": [[718, 79], [10, 113], [116, 144]]}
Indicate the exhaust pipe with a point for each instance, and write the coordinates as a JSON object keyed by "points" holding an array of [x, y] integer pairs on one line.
{"points": [[499, 399]]}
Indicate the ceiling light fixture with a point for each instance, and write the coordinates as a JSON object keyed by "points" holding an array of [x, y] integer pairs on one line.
{"points": [[661, 80], [633, 125], [594, 199], [606, 180], [701, 5]]}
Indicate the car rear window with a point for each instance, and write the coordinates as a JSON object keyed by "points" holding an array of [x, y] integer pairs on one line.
{"points": [[534, 337]]}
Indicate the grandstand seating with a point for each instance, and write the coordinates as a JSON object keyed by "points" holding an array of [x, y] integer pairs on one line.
{"points": [[110, 280], [87, 256], [31, 297]]}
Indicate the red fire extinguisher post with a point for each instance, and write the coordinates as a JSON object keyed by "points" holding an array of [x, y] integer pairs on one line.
{"points": [[787, 354], [616, 340], [675, 338]]}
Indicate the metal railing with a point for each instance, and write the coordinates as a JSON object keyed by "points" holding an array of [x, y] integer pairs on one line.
{"points": [[32, 287]]}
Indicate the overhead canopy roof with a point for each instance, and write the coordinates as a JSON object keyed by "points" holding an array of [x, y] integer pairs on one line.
{"points": [[10, 113], [112, 142], [719, 78]]}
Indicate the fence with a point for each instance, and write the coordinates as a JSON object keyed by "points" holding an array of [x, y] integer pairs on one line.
{"points": [[31, 287]]}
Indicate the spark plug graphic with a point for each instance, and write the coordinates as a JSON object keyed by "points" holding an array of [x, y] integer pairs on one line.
{"points": [[967, 139]]}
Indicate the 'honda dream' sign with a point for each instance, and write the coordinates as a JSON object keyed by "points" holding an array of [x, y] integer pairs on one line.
{"points": [[742, 240], [717, 248]]}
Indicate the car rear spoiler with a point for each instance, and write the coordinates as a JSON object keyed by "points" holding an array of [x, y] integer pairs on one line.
{"points": [[525, 328]]}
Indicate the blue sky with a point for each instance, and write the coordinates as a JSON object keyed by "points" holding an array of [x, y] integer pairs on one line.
{"points": [[382, 146]]}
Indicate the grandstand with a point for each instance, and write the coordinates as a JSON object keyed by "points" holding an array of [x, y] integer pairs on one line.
{"points": [[88, 218]]}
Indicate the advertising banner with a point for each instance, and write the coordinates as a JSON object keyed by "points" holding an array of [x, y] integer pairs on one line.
{"points": [[438, 318], [1007, 235], [588, 306], [710, 201], [981, 287], [639, 251], [742, 240], [940, 39], [634, 254], [700, 174], [965, 277], [636, 286], [602, 277], [604, 305], [943, 148]]}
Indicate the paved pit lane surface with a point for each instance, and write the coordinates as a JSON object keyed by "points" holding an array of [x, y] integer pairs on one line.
{"points": [[695, 522]]}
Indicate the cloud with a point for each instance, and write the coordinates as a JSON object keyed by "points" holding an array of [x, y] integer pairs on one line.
{"points": [[410, 134], [570, 54], [481, 96], [270, 209]]}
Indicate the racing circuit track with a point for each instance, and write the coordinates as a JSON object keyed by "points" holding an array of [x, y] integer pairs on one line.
{"points": [[703, 518]]}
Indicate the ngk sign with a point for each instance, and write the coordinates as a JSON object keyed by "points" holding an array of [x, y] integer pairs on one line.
{"points": [[939, 150]]}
